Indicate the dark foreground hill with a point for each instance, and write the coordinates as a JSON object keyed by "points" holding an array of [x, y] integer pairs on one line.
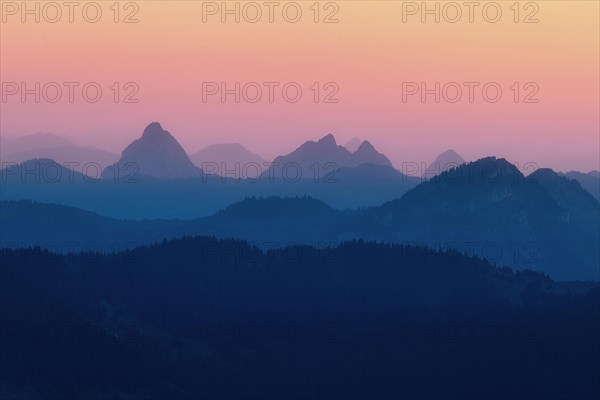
{"points": [[205, 318]]}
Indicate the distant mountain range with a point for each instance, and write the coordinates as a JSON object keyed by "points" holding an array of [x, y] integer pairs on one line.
{"points": [[154, 178], [320, 161], [157, 154], [92, 161], [32, 142], [133, 196], [487, 208], [317, 159], [46, 145]]}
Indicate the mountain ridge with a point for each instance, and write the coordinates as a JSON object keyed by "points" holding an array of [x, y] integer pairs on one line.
{"points": [[545, 222]]}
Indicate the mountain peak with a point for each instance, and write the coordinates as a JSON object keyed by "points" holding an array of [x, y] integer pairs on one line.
{"points": [[450, 156], [367, 154], [366, 146], [158, 154], [326, 152], [451, 153], [154, 129], [328, 139]]}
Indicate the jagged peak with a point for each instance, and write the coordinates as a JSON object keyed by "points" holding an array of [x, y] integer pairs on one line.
{"points": [[365, 146], [154, 129], [328, 139]]}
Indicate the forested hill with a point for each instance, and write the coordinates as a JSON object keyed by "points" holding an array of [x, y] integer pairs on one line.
{"points": [[200, 317]]}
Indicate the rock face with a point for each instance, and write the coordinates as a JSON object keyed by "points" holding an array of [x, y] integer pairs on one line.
{"points": [[157, 154], [445, 161], [327, 155]]}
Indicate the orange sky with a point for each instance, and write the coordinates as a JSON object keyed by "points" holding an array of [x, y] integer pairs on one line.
{"points": [[368, 53]]}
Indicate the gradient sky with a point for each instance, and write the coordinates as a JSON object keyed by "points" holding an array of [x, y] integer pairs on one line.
{"points": [[369, 53]]}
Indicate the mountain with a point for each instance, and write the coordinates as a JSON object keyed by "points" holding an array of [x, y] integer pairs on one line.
{"points": [[32, 143], [313, 159], [142, 197], [487, 208], [445, 161], [232, 160], [366, 154], [145, 188], [490, 208], [89, 159], [589, 181], [353, 144], [157, 154]]}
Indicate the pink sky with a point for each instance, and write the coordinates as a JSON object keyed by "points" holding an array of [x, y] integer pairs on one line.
{"points": [[369, 53]]}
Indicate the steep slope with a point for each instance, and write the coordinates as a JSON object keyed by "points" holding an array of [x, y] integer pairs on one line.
{"points": [[366, 154], [326, 155]]}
